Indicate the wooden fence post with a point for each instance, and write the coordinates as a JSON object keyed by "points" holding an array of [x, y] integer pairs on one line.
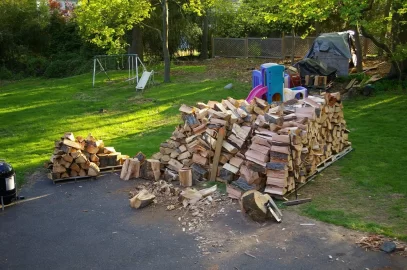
{"points": [[213, 47], [246, 47]]}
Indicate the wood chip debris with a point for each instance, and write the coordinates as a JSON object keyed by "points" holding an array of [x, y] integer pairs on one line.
{"points": [[374, 242]]}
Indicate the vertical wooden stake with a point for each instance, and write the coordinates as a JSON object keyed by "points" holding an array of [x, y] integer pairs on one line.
{"points": [[218, 148]]}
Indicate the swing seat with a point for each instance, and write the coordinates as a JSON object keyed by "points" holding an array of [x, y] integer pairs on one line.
{"points": [[144, 79]]}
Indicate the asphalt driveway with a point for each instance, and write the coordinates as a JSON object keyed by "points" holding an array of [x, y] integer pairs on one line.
{"points": [[89, 225]]}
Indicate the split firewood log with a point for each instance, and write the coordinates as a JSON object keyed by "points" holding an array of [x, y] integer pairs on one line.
{"points": [[185, 177], [93, 169], [130, 169], [142, 199]]}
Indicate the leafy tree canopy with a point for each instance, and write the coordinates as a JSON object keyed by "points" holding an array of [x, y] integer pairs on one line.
{"points": [[295, 14], [104, 23]]}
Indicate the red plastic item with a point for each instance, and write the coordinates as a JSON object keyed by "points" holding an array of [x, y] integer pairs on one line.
{"points": [[295, 80]]}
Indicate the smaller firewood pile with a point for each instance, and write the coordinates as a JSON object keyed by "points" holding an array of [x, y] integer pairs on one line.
{"points": [[80, 157]]}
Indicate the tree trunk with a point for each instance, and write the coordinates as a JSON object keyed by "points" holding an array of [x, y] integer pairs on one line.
{"points": [[292, 46], [394, 71], [205, 32], [383, 33], [359, 55], [399, 36], [317, 28], [166, 52], [137, 42]]}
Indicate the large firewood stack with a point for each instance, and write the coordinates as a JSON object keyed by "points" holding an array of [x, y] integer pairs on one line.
{"points": [[78, 156], [271, 146]]}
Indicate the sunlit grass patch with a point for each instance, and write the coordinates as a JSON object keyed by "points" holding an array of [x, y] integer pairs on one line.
{"points": [[35, 112]]}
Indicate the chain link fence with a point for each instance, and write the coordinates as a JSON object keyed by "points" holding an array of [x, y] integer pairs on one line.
{"points": [[230, 47], [267, 48], [368, 47], [301, 45], [273, 47]]}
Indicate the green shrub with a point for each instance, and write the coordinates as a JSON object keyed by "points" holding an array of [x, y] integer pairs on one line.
{"points": [[66, 56], [77, 66], [74, 65], [56, 69], [5, 74], [36, 66], [86, 66], [389, 85], [358, 76]]}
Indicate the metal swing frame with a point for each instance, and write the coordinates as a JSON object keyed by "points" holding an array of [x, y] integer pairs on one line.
{"points": [[133, 64]]}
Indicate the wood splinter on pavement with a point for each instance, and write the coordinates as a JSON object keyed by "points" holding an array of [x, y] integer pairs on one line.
{"points": [[250, 255]]}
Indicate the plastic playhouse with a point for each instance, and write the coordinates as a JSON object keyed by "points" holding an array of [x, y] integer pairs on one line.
{"points": [[273, 84]]}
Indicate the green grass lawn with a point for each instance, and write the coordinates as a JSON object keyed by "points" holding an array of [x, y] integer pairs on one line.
{"points": [[36, 112], [366, 190]]}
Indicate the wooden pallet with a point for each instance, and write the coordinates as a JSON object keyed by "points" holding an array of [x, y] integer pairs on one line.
{"points": [[104, 170], [320, 167], [110, 169], [71, 179], [327, 162]]}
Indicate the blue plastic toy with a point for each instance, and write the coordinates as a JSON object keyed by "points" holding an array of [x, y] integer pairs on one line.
{"points": [[274, 80], [269, 81]]}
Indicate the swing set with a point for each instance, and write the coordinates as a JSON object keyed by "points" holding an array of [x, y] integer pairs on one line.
{"points": [[129, 62]]}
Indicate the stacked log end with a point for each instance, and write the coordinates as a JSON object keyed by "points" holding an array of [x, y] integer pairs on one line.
{"points": [[267, 147], [79, 157]]}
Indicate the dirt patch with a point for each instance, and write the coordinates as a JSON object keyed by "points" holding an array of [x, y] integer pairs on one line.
{"points": [[240, 69], [141, 100], [85, 97], [4, 83], [383, 67], [397, 196], [33, 177]]}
